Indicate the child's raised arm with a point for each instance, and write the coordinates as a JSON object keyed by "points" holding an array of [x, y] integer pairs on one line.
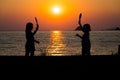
{"points": [[36, 25]]}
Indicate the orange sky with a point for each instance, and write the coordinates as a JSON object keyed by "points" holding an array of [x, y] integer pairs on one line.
{"points": [[101, 14]]}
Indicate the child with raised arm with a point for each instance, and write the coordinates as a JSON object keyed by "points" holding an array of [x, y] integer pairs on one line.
{"points": [[30, 41], [86, 45]]}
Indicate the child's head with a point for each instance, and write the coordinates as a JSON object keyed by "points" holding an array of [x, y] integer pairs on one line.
{"points": [[86, 28], [29, 26]]}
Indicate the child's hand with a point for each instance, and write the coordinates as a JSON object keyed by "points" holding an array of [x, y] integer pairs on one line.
{"points": [[77, 35], [37, 42]]}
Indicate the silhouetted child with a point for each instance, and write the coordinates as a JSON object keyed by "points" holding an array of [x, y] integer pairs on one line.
{"points": [[30, 41], [86, 45]]}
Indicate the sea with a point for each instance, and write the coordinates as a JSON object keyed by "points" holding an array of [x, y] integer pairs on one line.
{"points": [[59, 43]]}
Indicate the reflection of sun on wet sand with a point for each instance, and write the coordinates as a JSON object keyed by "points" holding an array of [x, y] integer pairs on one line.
{"points": [[57, 46]]}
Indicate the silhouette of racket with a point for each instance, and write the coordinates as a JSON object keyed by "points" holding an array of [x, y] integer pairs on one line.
{"points": [[80, 16], [36, 20]]}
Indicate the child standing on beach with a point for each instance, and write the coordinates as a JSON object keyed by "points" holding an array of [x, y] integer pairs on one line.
{"points": [[30, 41], [86, 45]]}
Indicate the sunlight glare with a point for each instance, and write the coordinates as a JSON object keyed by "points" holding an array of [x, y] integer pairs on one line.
{"points": [[56, 32], [56, 10]]}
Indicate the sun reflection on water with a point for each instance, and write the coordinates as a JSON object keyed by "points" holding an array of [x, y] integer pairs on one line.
{"points": [[56, 46]]}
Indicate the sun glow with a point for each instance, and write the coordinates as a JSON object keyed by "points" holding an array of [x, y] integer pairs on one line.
{"points": [[56, 10], [56, 32]]}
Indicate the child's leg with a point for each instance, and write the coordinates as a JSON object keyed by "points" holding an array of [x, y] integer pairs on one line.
{"points": [[83, 52], [32, 53], [26, 53], [87, 53]]}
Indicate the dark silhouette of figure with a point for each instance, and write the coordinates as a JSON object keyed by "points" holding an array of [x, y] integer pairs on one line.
{"points": [[30, 41], [86, 45]]}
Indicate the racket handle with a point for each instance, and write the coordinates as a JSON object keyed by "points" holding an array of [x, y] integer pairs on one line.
{"points": [[36, 20]]}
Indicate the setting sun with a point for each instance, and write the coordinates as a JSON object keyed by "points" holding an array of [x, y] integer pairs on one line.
{"points": [[59, 14], [56, 10]]}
